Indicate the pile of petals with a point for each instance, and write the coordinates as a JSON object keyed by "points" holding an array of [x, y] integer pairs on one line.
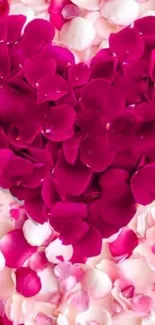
{"points": [[84, 26], [40, 285], [77, 140]]}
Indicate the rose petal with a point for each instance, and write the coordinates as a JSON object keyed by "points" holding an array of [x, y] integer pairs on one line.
{"points": [[28, 282], [15, 248]]}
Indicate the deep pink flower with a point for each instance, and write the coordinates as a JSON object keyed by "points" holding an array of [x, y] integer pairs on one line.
{"points": [[4, 9]]}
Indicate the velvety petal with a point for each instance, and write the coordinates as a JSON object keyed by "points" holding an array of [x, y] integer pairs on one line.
{"points": [[34, 208], [37, 33], [142, 184], [49, 194], [86, 247], [15, 24], [62, 55], [100, 97], [3, 29], [78, 75], [71, 149], [60, 120], [4, 9], [37, 67], [91, 123], [127, 44], [51, 89], [124, 244], [145, 26], [95, 153], [72, 180], [28, 282], [17, 171], [113, 177], [15, 248], [4, 61]]}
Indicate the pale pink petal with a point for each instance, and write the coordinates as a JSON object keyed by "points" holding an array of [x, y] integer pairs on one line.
{"points": [[49, 284], [94, 314], [77, 34], [142, 281], [20, 8], [120, 12], [43, 319], [109, 267], [6, 283], [142, 305], [56, 250], [96, 283], [80, 300], [126, 318], [36, 234]]}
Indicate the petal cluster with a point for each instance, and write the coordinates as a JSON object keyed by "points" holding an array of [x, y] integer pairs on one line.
{"points": [[77, 140]]}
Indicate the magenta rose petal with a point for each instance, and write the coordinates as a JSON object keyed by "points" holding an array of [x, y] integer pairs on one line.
{"points": [[86, 247], [69, 210], [15, 248], [51, 89], [152, 66], [37, 177], [124, 244], [91, 123], [146, 27], [18, 170], [71, 149], [15, 24], [127, 44], [142, 184], [3, 29], [60, 120], [34, 208], [78, 75], [100, 97], [48, 192], [28, 283], [62, 55], [72, 180], [113, 177], [4, 61], [37, 67], [4, 9], [36, 34], [95, 153]]}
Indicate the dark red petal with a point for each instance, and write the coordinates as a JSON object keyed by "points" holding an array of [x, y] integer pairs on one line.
{"points": [[100, 97], [113, 177], [72, 180], [37, 67], [127, 44], [34, 208], [28, 283], [78, 74], [4, 61], [142, 184], [18, 170], [69, 210], [36, 34], [15, 248], [60, 121], [86, 247], [95, 153], [63, 56], [49, 194], [71, 149], [51, 88], [15, 24], [4, 9]]}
